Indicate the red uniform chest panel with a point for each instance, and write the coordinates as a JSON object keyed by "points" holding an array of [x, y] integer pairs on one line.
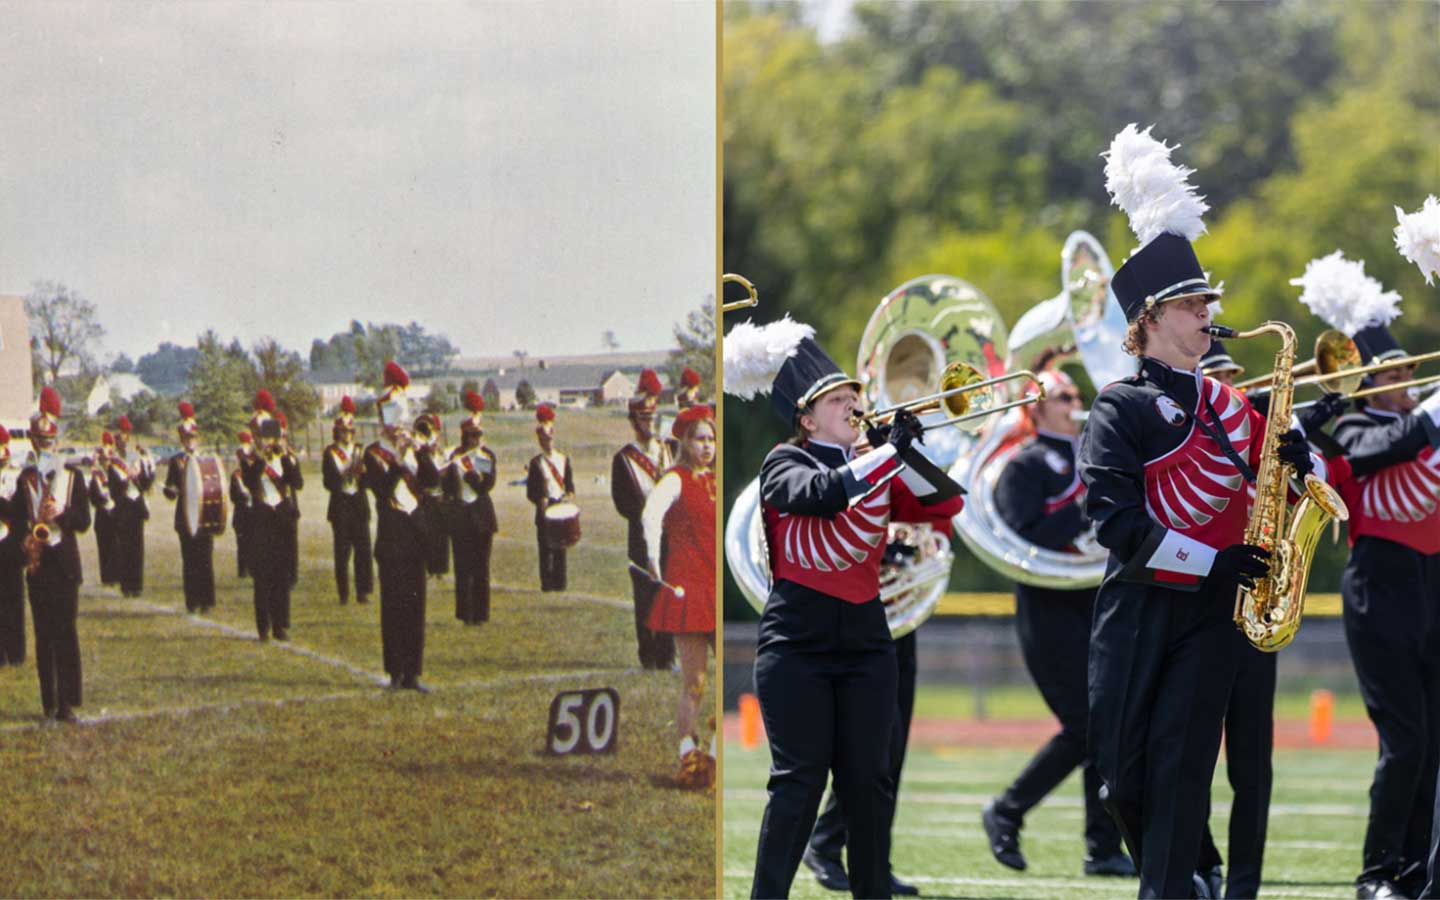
{"points": [[1195, 488], [1399, 503], [838, 556]]}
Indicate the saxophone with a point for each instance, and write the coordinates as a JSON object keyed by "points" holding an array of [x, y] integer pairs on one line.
{"points": [[1269, 614]]}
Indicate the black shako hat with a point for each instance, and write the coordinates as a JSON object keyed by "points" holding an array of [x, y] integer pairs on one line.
{"points": [[1217, 359], [1377, 344], [1163, 270], [804, 377], [781, 359]]}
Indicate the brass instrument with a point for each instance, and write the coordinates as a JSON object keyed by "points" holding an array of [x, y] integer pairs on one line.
{"points": [[1336, 367], [752, 300], [957, 382], [1269, 614], [42, 531]]}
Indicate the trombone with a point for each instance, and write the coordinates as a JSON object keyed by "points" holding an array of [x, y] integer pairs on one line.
{"points": [[1336, 358], [752, 300], [958, 380]]}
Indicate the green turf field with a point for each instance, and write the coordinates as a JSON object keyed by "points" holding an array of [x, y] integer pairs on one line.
{"points": [[208, 764], [1317, 823]]}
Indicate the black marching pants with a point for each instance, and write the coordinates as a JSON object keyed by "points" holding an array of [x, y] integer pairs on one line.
{"points": [[472, 575], [828, 838], [552, 563], [1391, 605], [1054, 631], [55, 606], [1162, 663], [12, 613], [402, 614], [826, 675], [1249, 741], [350, 538], [197, 565]]}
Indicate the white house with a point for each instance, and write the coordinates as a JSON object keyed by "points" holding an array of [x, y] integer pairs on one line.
{"points": [[113, 388]]}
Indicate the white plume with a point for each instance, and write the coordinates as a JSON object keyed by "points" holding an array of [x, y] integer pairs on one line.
{"points": [[1215, 309], [1151, 189], [1417, 237], [754, 354], [1338, 290]]}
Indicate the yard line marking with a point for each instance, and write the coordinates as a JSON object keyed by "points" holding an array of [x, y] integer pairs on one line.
{"points": [[592, 598], [947, 799], [1066, 884]]}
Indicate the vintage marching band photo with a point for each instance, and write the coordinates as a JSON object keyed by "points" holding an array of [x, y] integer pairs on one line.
{"points": [[357, 450], [980, 536]]}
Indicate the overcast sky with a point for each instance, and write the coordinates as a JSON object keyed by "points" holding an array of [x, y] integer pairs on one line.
{"points": [[515, 175]]}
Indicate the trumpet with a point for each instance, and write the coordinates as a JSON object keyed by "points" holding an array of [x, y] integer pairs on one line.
{"points": [[752, 300], [957, 381]]}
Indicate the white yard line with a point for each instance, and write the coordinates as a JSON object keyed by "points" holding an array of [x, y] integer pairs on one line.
{"points": [[946, 799], [1060, 885], [588, 598]]}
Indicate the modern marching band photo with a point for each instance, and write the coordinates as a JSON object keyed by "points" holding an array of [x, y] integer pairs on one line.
{"points": [[1057, 564], [357, 450]]}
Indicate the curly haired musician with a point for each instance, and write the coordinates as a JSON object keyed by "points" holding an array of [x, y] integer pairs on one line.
{"points": [[825, 666], [633, 473], [549, 480], [55, 508], [348, 512], [469, 478]]}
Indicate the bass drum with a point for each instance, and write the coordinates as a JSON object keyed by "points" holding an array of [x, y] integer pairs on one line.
{"points": [[204, 496]]}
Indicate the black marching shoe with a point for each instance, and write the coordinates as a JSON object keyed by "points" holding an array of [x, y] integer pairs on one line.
{"points": [[828, 872], [282, 635], [1004, 838], [1115, 864], [65, 714], [412, 683], [1210, 883], [1377, 888], [900, 888]]}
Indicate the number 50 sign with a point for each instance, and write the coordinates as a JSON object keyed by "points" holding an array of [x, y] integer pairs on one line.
{"points": [[583, 721]]}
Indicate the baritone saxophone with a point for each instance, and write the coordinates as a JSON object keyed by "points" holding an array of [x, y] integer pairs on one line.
{"points": [[1269, 613]]}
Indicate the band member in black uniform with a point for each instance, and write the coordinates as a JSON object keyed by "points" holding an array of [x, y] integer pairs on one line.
{"points": [[825, 666], [1040, 496], [432, 503], [272, 478], [469, 477], [56, 508], [196, 551], [633, 473], [240, 504], [689, 393], [292, 552], [342, 470], [397, 473], [12, 558], [102, 514], [1165, 459], [548, 480], [132, 472], [1391, 579]]}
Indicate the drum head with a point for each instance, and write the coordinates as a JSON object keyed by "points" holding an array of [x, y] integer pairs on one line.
{"points": [[561, 511], [194, 492]]}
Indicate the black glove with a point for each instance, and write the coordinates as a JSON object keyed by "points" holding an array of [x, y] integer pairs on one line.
{"points": [[1296, 452], [897, 552], [1241, 563], [878, 434], [906, 429], [1328, 407]]}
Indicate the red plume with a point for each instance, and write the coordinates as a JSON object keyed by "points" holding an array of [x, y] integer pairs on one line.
{"points": [[107, 439], [124, 424], [474, 402], [186, 410], [50, 401], [264, 401], [245, 437], [4, 435], [690, 377], [347, 405], [396, 376], [284, 422], [650, 382], [544, 413]]}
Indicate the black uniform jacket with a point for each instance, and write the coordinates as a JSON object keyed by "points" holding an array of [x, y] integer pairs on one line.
{"points": [[62, 561], [400, 536], [1038, 494], [1373, 440], [331, 476], [478, 515], [536, 476]]}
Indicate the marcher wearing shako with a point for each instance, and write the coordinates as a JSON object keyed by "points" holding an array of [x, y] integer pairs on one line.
{"points": [[469, 478], [55, 508], [825, 665], [1040, 496], [689, 393], [1250, 712], [348, 512], [131, 473], [1167, 440], [240, 504], [102, 512], [292, 552], [433, 507], [548, 480], [1392, 577], [196, 551], [12, 558], [398, 473], [633, 472], [679, 529], [272, 479]]}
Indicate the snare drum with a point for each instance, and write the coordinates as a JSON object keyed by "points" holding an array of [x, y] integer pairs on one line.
{"points": [[562, 525], [204, 495]]}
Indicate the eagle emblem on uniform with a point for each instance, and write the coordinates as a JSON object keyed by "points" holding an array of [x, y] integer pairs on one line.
{"points": [[1170, 411]]}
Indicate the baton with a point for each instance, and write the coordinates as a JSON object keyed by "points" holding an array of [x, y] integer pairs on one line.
{"points": [[677, 589]]}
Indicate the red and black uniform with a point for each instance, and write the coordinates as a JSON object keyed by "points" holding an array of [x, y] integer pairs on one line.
{"points": [[472, 534], [825, 666], [55, 586], [196, 551], [348, 513], [240, 516], [680, 532], [12, 568], [633, 473], [1040, 495], [548, 478], [130, 480], [103, 516], [398, 479], [1391, 594], [1164, 458], [272, 483]]}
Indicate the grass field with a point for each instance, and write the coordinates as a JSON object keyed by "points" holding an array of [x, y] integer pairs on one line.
{"points": [[208, 764], [1317, 823]]}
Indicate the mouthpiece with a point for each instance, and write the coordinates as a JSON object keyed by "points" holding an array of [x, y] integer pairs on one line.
{"points": [[1220, 331]]}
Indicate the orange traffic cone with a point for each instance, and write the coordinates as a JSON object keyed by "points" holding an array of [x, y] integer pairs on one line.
{"points": [[750, 727], [1322, 714]]}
